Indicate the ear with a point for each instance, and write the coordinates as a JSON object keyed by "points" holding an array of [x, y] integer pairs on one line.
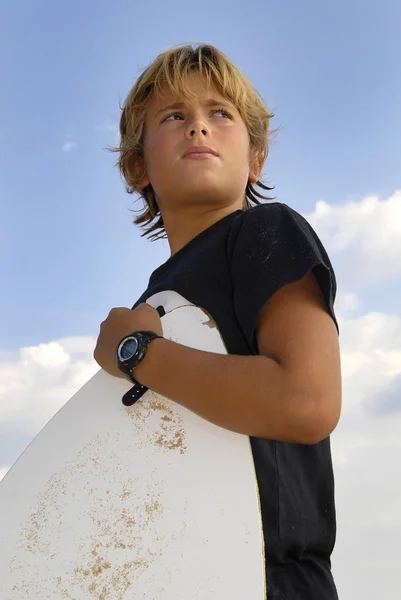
{"points": [[136, 166], [144, 183], [255, 167]]}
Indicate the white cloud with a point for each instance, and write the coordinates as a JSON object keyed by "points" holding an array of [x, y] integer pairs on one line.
{"points": [[363, 238], [51, 355], [366, 447], [37, 384], [69, 145]]}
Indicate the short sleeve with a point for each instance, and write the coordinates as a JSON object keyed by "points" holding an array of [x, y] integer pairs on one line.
{"points": [[272, 246]]}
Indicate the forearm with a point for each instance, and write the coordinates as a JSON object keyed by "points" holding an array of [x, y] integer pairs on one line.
{"points": [[247, 394]]}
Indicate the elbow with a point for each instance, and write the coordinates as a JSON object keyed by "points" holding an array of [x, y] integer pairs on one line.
{"points": [[319, 422]]}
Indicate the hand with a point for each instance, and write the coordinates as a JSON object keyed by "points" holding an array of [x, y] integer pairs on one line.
{"points": [[119, 323]]}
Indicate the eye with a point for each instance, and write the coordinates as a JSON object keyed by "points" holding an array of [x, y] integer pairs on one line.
{"points": [[172, 115], [178, 114], [222, 110]]}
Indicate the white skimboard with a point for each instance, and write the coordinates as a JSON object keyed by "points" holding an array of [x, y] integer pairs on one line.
{"points": [[147, 502]]}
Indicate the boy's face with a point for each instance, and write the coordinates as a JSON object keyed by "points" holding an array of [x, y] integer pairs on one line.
{"points": [[215, 182]]}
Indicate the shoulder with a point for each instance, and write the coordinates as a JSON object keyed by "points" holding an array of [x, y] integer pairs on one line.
{"points": [[270, 221], [272, 245], [278, 232]]}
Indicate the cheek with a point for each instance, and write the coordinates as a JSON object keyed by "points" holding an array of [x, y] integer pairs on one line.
{"points": [[241, 155], [239, 143], [158, 146], [152, 154]]}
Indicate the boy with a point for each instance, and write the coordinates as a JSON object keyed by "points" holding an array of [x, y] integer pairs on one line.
{"points": [[194, 138]]}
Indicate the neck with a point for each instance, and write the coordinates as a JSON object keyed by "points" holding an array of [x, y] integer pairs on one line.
{"points": [[182, 226]]}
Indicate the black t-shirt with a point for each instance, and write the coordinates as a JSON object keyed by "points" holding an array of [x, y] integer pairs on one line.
{"points": [[231, 269]]}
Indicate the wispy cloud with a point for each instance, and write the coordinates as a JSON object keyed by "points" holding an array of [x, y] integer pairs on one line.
{"points": [[69, 145], [387, 401]]}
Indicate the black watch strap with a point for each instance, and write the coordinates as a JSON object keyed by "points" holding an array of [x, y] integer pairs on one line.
{"points": [[134, 394]]}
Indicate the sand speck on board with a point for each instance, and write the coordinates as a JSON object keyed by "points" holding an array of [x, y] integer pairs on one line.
{"points": [[170, 432]]}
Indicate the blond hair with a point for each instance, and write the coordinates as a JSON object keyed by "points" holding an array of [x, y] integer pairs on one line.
{"points": [[173, 68]]}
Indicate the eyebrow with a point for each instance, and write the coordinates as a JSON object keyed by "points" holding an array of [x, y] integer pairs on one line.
{"points": [[209, 102]]}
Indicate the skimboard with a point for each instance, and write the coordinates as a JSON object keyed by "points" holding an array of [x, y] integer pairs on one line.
{"points": [[147, 502]]}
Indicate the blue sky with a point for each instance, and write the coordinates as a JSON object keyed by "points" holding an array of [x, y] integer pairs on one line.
{"points": [[330, 76], [68, 249]]}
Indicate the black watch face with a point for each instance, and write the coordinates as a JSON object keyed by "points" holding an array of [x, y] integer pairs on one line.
{"points": [[128, 349]]}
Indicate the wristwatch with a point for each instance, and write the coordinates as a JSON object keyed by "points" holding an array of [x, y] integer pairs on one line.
{"points": [[132, 350]]}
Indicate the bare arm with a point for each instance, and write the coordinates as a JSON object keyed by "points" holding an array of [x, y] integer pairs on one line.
{"points": [[293, 397]]}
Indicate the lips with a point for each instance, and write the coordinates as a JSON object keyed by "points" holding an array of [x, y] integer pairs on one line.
{"points": [[199, 150]]}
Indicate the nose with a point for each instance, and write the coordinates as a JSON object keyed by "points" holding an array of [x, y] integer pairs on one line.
{"points": [[198, 127]]}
